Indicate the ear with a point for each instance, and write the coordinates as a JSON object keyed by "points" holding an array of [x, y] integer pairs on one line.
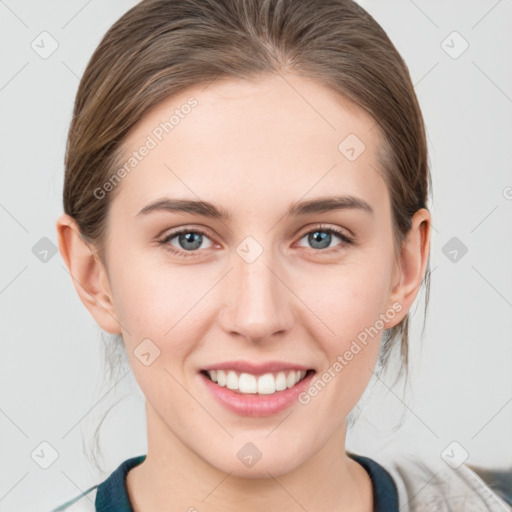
{"points": [[411, 265], [88, 273]]}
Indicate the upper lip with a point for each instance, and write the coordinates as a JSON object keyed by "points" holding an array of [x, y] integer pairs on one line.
{"points": [[256, 368]]}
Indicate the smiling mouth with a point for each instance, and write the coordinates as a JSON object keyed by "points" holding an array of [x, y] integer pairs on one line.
{"points": [[249, 384]]}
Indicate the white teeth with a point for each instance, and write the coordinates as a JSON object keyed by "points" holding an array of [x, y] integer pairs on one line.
{"points": [[247, 383], [266, 384], [232, 380], [280, 381], [221, 378]]}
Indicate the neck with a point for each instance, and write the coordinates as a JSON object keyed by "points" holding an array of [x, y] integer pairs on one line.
{"points": [[173, 478]]}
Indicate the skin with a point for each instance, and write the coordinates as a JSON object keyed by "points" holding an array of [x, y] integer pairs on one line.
{"points": [[253, 148]]}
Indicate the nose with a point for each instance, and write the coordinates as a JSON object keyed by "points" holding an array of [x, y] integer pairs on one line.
{"points": [[259, 304]]}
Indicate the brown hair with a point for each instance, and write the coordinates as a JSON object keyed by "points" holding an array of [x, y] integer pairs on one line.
{"points": [[161, 47]]}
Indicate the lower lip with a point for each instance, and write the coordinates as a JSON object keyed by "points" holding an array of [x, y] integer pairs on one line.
{"points": [[255, 404]]}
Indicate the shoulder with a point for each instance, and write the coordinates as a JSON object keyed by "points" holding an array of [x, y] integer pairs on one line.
{"points": [[84, 502], [426, 482]]}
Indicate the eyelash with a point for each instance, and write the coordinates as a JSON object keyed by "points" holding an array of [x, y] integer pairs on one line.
{"points": [[346, 240]]}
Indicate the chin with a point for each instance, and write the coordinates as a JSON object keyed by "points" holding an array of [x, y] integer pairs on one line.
{"points": [[245, 465]]}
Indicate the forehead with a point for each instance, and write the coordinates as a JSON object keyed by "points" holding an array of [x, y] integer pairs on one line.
{"points": [[238, 139]]}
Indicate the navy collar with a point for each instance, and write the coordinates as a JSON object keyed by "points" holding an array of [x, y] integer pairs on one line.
{"points": [[385, 493], [112, 495]]}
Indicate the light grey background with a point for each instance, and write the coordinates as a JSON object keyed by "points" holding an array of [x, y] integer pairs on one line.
{"points": [[52, 371]]}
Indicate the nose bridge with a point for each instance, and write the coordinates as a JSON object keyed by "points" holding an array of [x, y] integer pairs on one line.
{"points": [[259, 304]]}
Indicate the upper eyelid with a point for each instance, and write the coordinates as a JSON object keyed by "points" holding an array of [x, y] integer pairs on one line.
{"points": [[325, 227], [166, 238]]}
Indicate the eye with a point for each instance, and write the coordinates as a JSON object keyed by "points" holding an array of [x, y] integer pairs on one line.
{"points": [[321, 237], [188, 241]]}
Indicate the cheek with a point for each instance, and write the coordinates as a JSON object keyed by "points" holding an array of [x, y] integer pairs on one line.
{"points": [[163, 303], [347, 326], [350, 301], [157, 303], [348, 298], [147, 301]]}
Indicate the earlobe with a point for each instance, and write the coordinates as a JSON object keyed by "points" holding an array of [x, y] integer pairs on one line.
{"points": [[412, 264], [88, 274]]}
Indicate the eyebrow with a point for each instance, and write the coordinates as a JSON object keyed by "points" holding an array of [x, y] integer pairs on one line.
{"points": [[206, 209]]}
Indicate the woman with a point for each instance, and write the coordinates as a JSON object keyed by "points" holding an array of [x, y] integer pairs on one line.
{"points": [[246, 205]]}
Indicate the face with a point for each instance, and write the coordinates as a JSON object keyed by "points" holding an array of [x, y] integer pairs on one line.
{"points": [[270, 284]]}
